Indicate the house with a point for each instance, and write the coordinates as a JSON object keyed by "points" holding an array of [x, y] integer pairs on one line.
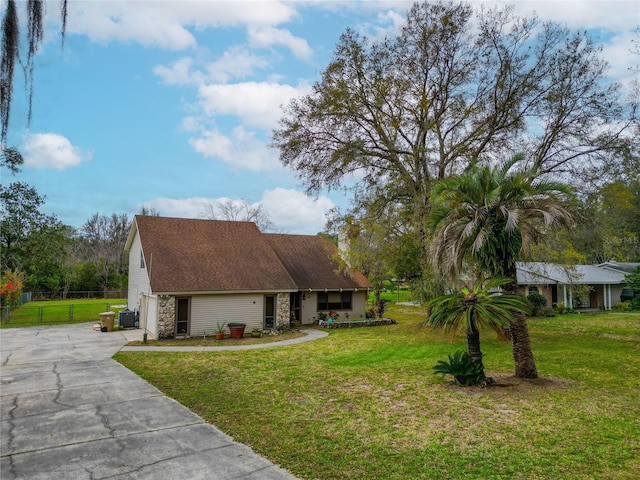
{"points": [[578, 286], [186, 276]]}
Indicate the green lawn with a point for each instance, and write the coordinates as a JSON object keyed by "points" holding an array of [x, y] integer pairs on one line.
{"points": [[59, 311], [364, 403]]}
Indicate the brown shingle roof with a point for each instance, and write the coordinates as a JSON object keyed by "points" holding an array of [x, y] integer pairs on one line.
{"points": [[311, 261], [192, 255]]}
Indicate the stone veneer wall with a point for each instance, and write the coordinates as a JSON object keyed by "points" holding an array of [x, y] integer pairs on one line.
{"points": [[283, 313], [166, 316]]}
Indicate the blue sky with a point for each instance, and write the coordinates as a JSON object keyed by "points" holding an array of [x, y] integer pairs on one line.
{"points": [[170, 104]]}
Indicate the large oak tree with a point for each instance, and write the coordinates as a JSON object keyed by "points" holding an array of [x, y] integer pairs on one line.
{"points": [[396, 115]]}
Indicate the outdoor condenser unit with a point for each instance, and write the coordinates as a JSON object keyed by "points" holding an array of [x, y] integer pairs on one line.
{"points": [[128, 319]]}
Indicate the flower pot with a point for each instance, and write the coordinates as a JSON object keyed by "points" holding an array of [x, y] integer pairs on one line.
{"points": [[219, 335], [236, 329]]}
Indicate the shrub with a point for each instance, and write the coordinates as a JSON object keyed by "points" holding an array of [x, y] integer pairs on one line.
{"points": [[538, 302], [622, 306], [461, 367], [381, 308], [11, 287], [561, 308], [635, 303]]}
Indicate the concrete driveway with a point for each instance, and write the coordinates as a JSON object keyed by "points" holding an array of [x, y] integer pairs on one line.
{"points": [[68, 411]]}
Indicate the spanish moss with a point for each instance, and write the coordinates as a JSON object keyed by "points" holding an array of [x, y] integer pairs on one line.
{"points": [[11, 54]]}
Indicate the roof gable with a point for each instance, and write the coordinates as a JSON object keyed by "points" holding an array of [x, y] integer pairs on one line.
{"points": [[191, 255]]}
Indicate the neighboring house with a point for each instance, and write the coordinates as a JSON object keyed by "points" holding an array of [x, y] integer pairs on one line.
{"points": [[566, 283], [188, 275]]}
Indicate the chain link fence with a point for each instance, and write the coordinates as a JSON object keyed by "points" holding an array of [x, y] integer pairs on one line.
{"points": [[26, 315]]}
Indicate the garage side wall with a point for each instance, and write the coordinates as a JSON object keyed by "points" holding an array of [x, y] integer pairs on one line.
{"points": [[138, 283]]}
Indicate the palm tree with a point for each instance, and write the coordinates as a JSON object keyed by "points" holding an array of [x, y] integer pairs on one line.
{"points": [[484, 306], [490, 216]]}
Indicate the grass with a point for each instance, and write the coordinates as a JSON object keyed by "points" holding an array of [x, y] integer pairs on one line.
{"points": [[59, 311], [363, 403]]}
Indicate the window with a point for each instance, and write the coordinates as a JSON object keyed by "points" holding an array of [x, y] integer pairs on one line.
{"points": [[533, 289], [334, 300], [141, 259]]}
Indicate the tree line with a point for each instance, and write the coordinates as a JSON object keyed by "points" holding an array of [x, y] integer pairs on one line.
{"points": [[47, 256]]}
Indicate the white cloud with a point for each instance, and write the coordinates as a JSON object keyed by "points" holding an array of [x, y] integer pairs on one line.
{"points": [[178, 73], [51, 151], [581, 14], [241, 149], [177, 207], [164, 24], [236, 62], [265, 36], [256, 103], [294, 212], [290, 211], [623, 62]]}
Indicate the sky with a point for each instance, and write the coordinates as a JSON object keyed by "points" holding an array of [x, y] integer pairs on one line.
{"points": [[170, 105]]}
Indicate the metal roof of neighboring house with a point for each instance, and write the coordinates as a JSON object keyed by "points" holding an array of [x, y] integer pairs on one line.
{"points": [[540, 273], [627, 267], [196, 255]]}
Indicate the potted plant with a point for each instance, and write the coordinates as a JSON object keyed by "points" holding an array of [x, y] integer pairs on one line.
{"points": [[236, 329], [220, 330]]}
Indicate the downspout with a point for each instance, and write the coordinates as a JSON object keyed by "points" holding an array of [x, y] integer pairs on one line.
{"points": [[146, 315]]}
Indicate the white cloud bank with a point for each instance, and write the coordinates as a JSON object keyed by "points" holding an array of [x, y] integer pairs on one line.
{"points": [[164, 24], [291, 211], [51, 151]]}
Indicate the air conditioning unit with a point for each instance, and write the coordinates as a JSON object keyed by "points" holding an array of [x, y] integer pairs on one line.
{"points": [[128, 319]]}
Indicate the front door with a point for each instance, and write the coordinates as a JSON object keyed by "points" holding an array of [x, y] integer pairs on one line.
{"points": [[269, 312], [183, 315], [295, 306]]}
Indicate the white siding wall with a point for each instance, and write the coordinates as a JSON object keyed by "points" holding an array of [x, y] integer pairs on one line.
{"points": [[359, 303], [309, 308], [616, 291], [208, 310], [138, 278], [149, 314]]}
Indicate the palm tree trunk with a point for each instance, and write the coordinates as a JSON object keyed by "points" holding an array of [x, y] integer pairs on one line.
{"points": [[521, 345], [520, 341], [473, 345]]}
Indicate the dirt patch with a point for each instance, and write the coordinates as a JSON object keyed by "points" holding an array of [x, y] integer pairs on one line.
{"points": [[511, 383]]}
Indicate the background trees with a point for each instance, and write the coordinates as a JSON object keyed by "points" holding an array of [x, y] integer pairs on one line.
{"points": [[31, 242], [52, 257], [240, 211]]}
